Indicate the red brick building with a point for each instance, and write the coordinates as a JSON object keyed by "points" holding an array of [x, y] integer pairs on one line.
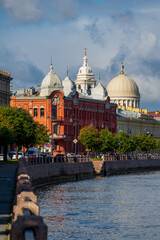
{"points": [[58, 106], [65, 116]]}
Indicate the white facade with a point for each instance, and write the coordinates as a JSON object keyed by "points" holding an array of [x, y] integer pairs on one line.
{"points": [[85, 81]]}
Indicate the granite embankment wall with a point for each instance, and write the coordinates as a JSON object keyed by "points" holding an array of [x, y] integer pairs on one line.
{"points": [[112, 167], [50, 172], [45, 173]]}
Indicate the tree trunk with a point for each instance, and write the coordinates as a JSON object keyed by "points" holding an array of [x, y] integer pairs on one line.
{"points": [[5, 153]]}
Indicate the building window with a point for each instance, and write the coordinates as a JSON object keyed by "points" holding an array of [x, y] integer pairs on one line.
{"points": [[35, 112], [55, 99], [42, 112], [54, 112], [55, 129]]}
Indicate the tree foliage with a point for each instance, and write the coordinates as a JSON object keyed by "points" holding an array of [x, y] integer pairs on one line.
{"points": [[41, 134], [127, 143], [105, 141], [109, 141], [90, 138], [17, 125]]}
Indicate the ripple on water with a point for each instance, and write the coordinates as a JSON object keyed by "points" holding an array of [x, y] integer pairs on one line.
{"points": [[113, 208]]}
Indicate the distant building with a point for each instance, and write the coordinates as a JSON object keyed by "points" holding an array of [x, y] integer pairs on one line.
{"points": [[156, 114], [64, 111], [5, 93], [132, 123]]}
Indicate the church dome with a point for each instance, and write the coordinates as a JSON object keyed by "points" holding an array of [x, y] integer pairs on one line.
{"points": [[122, 86], [99, 92], [85, 69], [50, 83], [68, 86]]}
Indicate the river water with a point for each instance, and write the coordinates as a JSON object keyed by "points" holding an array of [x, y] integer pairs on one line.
{"points": [[112, 208]]}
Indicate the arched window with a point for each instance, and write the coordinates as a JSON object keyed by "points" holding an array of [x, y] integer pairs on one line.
{"points": [[55, 129], [35, 112], [42, 112]]}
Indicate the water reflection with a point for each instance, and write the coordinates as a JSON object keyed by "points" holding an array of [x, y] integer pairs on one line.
{"points": [[118, 207]]}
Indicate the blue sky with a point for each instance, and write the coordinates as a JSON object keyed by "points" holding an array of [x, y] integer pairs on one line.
{"points": [[112, 31]]}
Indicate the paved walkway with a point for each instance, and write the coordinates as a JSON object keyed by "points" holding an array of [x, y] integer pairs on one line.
{"points": [[7, 183]]}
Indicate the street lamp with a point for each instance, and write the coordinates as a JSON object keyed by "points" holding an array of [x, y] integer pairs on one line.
{"points": [[51, 137]]}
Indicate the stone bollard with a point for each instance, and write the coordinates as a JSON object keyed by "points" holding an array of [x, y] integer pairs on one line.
{"points": [[26, 176], [29, 222], [23, 185], [19, 208], [26, 195]]}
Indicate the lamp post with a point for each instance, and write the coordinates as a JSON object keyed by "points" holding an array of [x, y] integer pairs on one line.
{"points": [[51, 140], [75, 141]]}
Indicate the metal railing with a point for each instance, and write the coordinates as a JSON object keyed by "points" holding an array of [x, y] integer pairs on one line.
{"points": [[56, 159], [126, 157]]}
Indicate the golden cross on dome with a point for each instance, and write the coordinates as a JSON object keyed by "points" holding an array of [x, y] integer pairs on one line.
{"points": [[122, 68], [85, 51]]}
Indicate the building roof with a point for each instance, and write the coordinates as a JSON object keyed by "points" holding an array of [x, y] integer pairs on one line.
{"points": [[68, 86], [99, 92], [50, 83], [122, 86], [125, 114]]}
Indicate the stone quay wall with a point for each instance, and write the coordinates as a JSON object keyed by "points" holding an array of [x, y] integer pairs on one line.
{"points": [[49, 172], [120, 166]]}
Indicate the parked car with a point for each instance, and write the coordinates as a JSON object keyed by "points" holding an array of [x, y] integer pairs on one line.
{"points": [[20, 154], [33, 152], [70, 154], [11, 154], [2, 157]]}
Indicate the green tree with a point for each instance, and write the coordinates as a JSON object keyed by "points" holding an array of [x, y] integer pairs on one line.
{"points": [[148, 143], [6, 135], [41, 134], [127, 143], [109, 141], [24, 128], [158, 144], [90, 138]]}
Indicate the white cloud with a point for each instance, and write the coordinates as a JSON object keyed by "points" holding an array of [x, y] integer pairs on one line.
{"points": [[130, 36], [24, 11]]}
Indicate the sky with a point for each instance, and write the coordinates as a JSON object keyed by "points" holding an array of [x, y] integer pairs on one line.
{"points": [[33, 31]]}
